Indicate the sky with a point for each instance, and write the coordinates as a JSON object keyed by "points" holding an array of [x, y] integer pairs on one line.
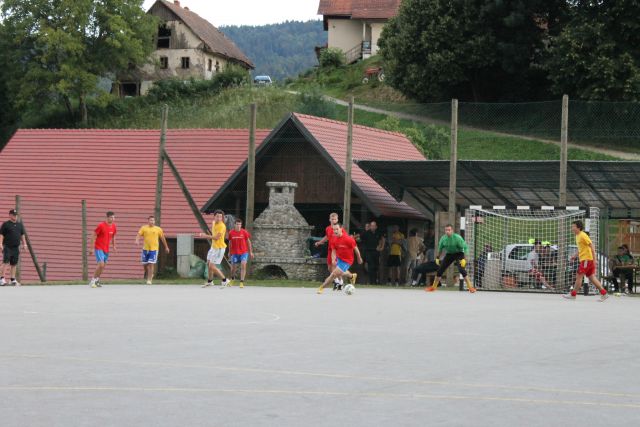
{"points": [[250, 12]]}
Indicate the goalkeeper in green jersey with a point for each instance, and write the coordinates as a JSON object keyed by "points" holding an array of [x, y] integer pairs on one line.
{"points": [[453, 247]]}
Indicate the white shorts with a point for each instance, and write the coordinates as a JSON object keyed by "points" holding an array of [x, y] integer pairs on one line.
{"points": [[214, 256]]}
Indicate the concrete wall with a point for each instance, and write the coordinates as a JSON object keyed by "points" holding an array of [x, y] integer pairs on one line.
{"points": [[344, 34], [376, 30]]}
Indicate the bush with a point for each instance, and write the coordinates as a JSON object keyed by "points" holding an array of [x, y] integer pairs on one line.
{"points": [[430, 140], [231, 76], [332, 57], [313, 103]]}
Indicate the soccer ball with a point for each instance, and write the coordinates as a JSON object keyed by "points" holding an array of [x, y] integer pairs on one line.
{"points": [[349, 289]]}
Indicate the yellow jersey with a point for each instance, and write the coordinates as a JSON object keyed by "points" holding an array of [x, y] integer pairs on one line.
{"points": [[218, 227], [396, 248], [584, 247], [151, 235]]}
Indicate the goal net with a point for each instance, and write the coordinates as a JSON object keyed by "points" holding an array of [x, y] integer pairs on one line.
{"points": [[525, 249]]}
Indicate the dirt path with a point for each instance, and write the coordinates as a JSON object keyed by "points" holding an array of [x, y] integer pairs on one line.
{"points": [[416, 118]]}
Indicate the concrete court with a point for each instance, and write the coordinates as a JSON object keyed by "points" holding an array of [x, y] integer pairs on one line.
{"points": [[186, 356]]}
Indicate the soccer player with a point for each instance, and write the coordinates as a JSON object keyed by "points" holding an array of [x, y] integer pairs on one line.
{"points": [[152, 235], [11, 234], [342, 248], [453, 247], [104, 236], [240, 250], [587, 257], [328, 236], [218, 246]]}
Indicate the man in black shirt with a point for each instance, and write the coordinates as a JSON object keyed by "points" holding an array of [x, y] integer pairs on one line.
{"points": [[372, 242], [11, 233]]}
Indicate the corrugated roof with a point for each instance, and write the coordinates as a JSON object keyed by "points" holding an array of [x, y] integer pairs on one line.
{"points": [[360, 9], [54, 169], [536, 183], [215, 39]]}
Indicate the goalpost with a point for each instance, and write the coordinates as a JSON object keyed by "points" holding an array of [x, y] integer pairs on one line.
{"points": [[525, 249]]}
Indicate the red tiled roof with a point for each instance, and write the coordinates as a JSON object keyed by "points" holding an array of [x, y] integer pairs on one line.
{"points": [[53, 170], [360, 9], [215, 39], [368, 144]]}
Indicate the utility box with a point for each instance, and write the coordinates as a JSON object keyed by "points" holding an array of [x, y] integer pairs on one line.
{"points": [[184, 249]]}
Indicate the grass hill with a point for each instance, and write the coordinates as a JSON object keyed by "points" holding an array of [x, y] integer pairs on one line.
{"points": [[205, 105], [279, 50]]}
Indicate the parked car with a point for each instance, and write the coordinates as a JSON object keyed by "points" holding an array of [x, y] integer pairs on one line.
{"points": [[262, 80], [512, 266]]}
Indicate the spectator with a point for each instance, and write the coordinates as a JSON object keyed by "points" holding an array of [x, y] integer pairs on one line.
{"points": [[372, 243], [622, 259], [533, 262], [415, 246], [395, 255]]}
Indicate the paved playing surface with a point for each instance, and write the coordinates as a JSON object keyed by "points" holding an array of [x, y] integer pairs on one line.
{"points": [[185, 356]]}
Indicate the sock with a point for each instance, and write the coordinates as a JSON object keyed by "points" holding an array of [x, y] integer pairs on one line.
{"points": [[574, 293], [603, 292]]}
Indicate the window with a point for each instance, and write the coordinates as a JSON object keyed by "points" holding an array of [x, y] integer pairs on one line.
{"points": [[185, 62], [164, 37], [130, 89], [210, 65], [217, 67], [164, 62]]}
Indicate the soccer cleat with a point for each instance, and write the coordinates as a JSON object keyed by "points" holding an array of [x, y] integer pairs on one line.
{"points": [[208, 284], [3, 282], [320, 290], [14, 282], [98, 285], [569, 296], [603, 297], [336, 284], [241, 285], [224, 283], [148, 282], [354, 277], [430, 289], [472, 290], [92, 283], [414, 282]]}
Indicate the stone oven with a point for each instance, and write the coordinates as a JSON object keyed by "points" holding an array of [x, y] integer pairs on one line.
{"points": [[281, 237]]}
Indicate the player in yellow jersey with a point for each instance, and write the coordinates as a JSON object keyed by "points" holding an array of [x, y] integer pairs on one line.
{"points": [[218, 246], [151, 234], [587, 257]]}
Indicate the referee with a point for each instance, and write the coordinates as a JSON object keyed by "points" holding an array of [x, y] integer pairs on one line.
{"points": [[11, 233], [453, 247]]}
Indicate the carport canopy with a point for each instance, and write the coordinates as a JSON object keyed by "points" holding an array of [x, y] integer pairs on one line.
{"points": [[425, 184]]}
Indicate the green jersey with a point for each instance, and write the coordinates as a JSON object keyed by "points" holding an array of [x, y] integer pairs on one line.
{"points": [[452, 245]]}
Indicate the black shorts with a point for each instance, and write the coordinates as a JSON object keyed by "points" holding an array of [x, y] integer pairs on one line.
{"points": [[10, 255], [394, 261]]}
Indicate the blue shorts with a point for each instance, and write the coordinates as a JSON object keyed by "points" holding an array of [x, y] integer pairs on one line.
{"points": [[149, 257], [237, 259], [343, 266], [101, 256]]}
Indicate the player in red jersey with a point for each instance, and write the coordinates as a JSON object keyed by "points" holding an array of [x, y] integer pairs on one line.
{"points": [[104, 236], [341, 249], [240, 250], [328, 236]]}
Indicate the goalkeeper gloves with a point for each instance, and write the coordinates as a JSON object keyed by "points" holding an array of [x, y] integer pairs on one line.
{"points": [[463, 263], [437, 261]]}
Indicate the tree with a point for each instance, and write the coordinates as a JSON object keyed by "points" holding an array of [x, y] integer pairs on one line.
{"points": [[60, 48], [597, 54], [469, 49]]}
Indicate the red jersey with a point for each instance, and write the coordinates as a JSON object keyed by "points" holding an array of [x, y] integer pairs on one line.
{"points": [[104, 233], [238, 240], [344, 246]]}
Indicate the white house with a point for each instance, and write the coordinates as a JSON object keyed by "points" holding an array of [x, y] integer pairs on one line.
{"points": [[355, 25], [187, 46]]}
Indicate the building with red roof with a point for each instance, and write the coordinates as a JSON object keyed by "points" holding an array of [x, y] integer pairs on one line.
{"points": [[354, 26], [53, 170]]}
